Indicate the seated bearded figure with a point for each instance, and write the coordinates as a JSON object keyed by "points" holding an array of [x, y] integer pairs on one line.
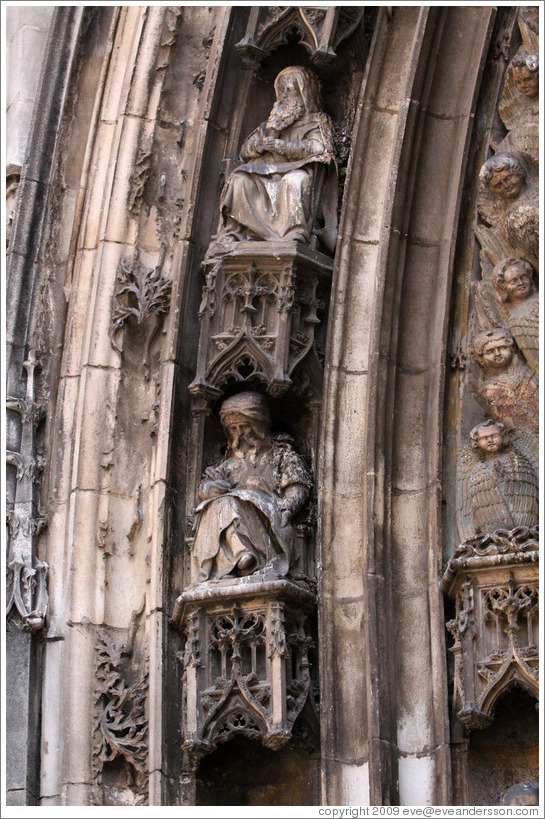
{"points": [[288, 180], [248, 501]]}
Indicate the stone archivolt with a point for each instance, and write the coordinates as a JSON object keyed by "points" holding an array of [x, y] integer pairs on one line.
{"points": [[493, 574]]}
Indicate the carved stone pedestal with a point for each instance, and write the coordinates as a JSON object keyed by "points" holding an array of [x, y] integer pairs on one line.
{"points": [[495, 582], [246, 664], [261, 307]]}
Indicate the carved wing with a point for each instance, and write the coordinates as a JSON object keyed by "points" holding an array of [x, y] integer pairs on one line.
{"points": [[494, 248], [522, 139], [522, 226], [512, 399], [526, 443], [490, 207], [525, 330], [487, 498], [487, 311], [515, 109], [466, 463], [518, 486]]}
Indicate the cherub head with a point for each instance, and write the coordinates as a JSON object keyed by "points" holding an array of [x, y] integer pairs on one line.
{"points": [[513, 280], [504, 176], [494, 349], [489, 437], [525, 71]]}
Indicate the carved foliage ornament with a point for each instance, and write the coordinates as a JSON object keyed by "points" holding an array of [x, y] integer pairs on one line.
{"points": [[121, 727], [142, 296]]}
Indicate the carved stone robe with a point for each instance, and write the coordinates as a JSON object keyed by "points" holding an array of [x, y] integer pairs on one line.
{"points": [[273, 197], [253, 507]]}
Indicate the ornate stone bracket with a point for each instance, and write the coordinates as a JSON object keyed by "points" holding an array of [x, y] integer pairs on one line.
{"points": [[260, 309], [319, 31], [494, 580], [246, 666]]}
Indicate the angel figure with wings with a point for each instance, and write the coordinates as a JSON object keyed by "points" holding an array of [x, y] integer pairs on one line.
{"points": [[497, 485], [508, 201], [508, 298], [503, 384], [519, 106]]}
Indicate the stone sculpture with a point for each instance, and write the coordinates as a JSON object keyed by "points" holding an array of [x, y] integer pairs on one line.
{"points": [[523, 793], [497, 486], [519, 106], [286, 187], [509, 202], [505, 386], [513, 283], [248, 501], [508, 298]]}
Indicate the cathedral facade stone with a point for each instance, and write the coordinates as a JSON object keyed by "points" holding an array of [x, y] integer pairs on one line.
{"points": [[272, 405]]}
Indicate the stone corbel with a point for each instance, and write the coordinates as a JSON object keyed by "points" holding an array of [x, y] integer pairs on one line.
{"points": [[494, 580]]}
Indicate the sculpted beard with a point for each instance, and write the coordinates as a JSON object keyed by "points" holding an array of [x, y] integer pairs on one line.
{"points": [[284, 113], [243, 444]]}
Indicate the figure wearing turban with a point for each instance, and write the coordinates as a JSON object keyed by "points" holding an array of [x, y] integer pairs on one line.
{"points": [[288, 181], [248, 501]]}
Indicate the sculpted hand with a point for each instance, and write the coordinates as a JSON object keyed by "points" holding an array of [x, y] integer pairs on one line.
{"points": [[285, 516], [274, 145], [213, 489]]}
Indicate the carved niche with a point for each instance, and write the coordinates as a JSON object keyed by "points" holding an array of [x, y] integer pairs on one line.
{"points": [[319, 30], [494, 579], [247, 617], [247, 614]]}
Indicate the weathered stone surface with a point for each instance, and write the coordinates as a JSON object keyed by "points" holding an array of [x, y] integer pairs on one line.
{"points": [[142, 115]]}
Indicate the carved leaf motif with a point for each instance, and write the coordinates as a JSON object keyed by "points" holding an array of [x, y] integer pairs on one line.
{"points": [[121, 727], [142, 292]]}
